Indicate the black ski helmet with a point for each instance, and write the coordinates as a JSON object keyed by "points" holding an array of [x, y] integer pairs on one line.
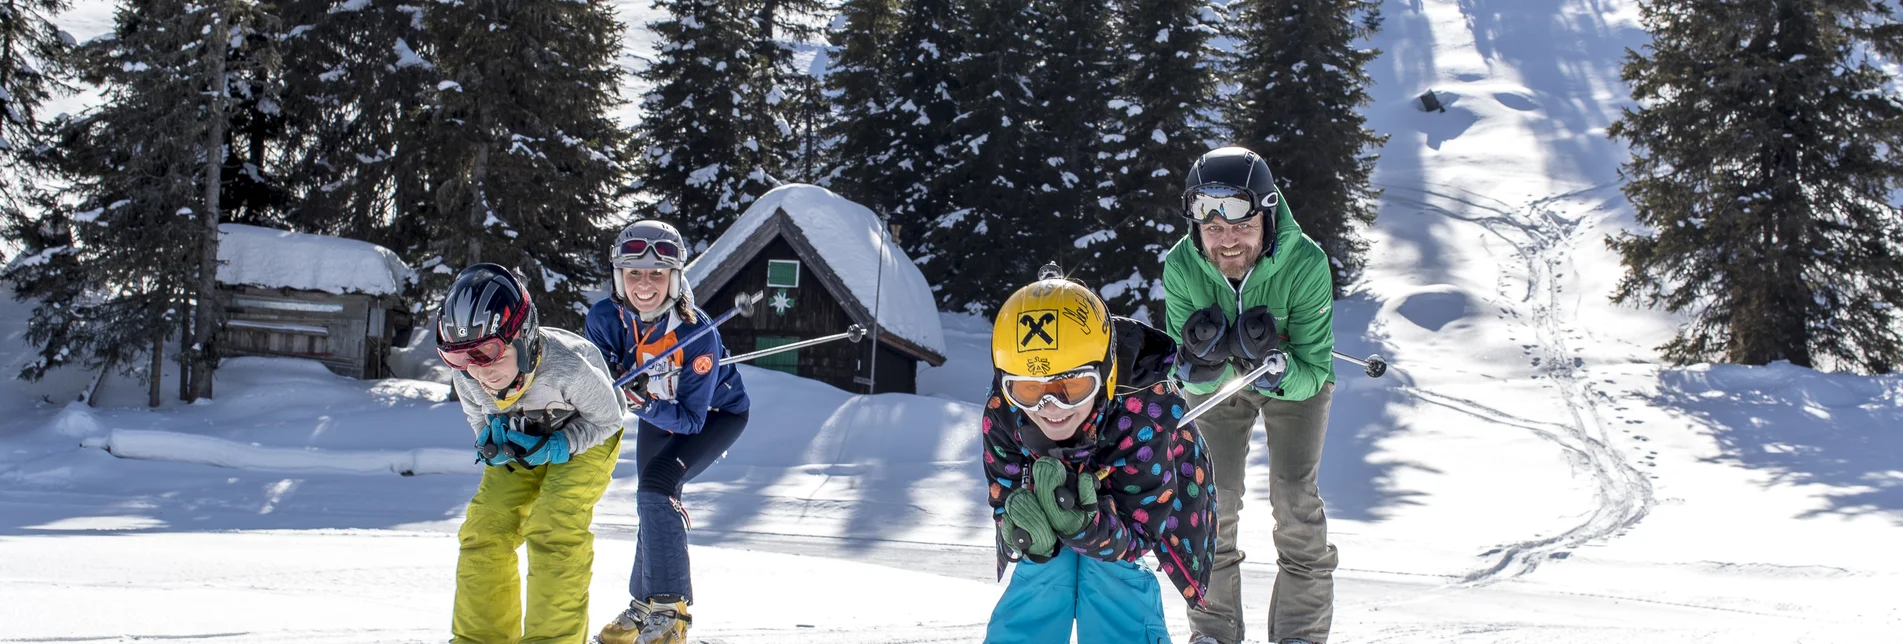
{"points": [[487, 301], [1233, 167]]}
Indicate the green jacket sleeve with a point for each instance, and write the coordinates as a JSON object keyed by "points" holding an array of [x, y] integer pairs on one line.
{"points": [[1176, 303], [1310, 330]]}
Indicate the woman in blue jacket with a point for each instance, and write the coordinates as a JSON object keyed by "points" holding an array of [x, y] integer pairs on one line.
{"points": [[691, 409]]}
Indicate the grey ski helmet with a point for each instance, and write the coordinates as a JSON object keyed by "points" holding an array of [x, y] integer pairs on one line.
{"points": [[487, 301], [650, 243]]}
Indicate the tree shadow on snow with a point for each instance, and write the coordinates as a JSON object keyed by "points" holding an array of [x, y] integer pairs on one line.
{"points": [[1803, 428], [1356, 477], [1565, 52], [856, 467], [87, 491]]}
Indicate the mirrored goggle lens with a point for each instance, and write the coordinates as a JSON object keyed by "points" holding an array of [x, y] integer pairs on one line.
{"points": [[1067, 391], [1233, 208], [477, 354], [661, 247]]}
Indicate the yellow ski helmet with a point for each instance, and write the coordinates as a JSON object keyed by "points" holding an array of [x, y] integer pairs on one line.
{"points": [[1052, 326]]}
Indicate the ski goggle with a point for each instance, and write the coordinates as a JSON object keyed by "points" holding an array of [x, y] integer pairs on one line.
{"points": [[1231, 204], [1068, 390], [636, 248], [478, 353]]}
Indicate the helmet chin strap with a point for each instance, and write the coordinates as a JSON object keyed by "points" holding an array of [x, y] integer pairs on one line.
{"points": [[666, 305]]}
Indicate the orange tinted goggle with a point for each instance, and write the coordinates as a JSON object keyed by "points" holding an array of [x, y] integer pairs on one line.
{"points": [[480, 353], [1066, 390]]}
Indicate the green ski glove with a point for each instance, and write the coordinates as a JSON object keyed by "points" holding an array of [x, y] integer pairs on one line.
{"points": [[1025, 529], [1068, 509]]}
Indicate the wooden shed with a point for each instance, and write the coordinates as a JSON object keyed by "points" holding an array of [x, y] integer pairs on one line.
{"points": [[337, 301], [818, 258]]}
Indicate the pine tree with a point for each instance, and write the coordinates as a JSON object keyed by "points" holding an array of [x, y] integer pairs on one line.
{"points": [[703, 160], [1158, 127], [119, 261], [359, 98], [923, 108], [808, 114], [530, 158], [32, 53], [1072, 86], [1764, 166], [860, 79], [1066, 204], [988, 242], [1304, 79], [255, 189], [789, 99]]}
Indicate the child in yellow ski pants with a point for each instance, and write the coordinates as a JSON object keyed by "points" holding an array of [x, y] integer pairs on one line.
{"points": [[548, 426], [549, 508]]}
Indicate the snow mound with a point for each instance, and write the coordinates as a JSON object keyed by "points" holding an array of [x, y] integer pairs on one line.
{"points": [[76, 420], [272, 258], [848, 238], [206, 450]]}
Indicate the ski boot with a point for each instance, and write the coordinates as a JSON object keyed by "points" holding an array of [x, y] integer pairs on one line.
{"points": [[667, 621], [625, 627]]}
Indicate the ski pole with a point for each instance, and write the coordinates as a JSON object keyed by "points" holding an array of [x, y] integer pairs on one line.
{"points": [[853, 333], [742, 305], [1228, 390], [1374, 364]]}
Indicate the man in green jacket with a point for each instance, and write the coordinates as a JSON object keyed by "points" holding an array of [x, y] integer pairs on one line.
{"points": [[1246, 288]]}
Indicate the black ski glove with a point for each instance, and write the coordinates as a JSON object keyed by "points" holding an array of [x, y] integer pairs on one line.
{"points": [[1256, 342], [1255, 336], [1201, 355]]}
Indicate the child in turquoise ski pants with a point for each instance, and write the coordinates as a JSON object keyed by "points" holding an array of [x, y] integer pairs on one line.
{"points": [[1110, 602]]}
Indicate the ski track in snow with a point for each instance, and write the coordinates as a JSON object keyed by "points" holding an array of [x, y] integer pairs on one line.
{"points": [[1540, 237]]}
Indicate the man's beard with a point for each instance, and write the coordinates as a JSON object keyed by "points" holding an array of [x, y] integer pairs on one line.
{"points": [[1237, 268]]}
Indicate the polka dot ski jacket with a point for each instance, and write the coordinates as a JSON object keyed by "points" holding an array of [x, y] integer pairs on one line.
{"points": [[1155, 491]]}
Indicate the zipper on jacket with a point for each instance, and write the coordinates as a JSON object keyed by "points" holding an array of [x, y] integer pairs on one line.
{"points": [[1238, 289]]}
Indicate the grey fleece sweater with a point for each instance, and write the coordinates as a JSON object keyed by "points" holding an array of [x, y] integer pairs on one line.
{"points": [[572, 373]]}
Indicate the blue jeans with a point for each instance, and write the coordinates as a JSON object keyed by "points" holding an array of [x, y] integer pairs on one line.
{"points": [[668, 461], [1111, 602]]}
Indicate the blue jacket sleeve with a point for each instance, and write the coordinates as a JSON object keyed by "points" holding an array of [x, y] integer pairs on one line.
{"points": [[687, 412], [605, 330]]}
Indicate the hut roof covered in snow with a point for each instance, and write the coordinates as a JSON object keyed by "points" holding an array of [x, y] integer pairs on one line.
{"points": [[272, 258], [845, 241]]}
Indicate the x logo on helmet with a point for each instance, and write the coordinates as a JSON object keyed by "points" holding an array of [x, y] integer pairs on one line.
{"points": [[1032, 323]]}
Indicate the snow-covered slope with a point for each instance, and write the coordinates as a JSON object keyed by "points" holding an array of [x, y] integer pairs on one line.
{"points": [[1527, 473]]}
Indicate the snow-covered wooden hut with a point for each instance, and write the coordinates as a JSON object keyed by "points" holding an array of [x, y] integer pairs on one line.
{"points": [[334, 300], [817, 256]]}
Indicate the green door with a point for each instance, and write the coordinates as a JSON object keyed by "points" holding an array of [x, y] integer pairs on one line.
{"points": [[787, 361]]}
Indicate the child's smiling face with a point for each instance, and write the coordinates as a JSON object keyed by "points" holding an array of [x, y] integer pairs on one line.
{"points": [[1058, 423]]}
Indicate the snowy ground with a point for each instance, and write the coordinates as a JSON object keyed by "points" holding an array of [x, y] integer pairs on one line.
{"points": [[1527, 472]]}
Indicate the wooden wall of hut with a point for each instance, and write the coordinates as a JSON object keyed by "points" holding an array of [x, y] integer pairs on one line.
{"points": [[350, 333], [799, 313]]}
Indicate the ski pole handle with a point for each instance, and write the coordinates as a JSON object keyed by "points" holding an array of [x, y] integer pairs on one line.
{"points": [[742, 305], [1375, 366]]}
